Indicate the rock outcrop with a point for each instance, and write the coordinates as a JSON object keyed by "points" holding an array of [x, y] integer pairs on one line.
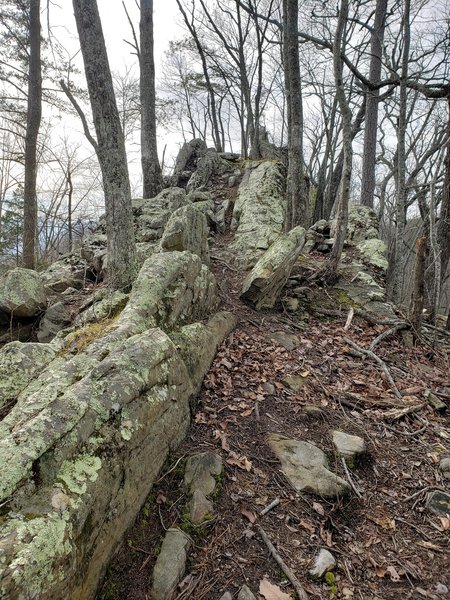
{"points": [[187, 229], [22, 293], [95, 414], [259, 212]]}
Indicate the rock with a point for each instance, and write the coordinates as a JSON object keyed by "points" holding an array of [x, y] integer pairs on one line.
{"points": [[373, 253], [289, 341], [258, 213], [295, 382], [439, 503], [226, 596], [56, 317], [348, 446], [444, 465], [201, 471], [22, 293], [246, 594], [207, 165], [151, 216], [106, 306], [230, 156], [94, 251], [269, 388], [306, 467], [70, 271], [144, 250], [170, 564], [313, 411], [19, 364], [97, 424], [291, 304], [200, 508], [323, 563], [265, 281], [187, 160], [323, 227], [362, 224], [187, 229], [434, 401], [232, 180], [221, 215]]}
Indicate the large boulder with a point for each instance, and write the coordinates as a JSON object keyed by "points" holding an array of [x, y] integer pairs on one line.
{"points": [[56, 317], [70, 271], [187, 160], [85, 440], [362, 224], [187, 229], [259, 212], [22, 293], [208, 165], [265, 281], [151, 215]]}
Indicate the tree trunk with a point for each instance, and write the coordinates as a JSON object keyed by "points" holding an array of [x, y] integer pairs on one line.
{"points": [[295, 186], [151, 170], [34, 113], [111, 146], [371, 127], [418, 293], [443, 225]]}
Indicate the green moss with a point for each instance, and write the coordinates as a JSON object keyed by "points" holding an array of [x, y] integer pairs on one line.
{"points": [[79, 340]]}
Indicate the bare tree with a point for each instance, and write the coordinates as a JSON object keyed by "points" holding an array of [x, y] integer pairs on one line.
{"points": [[111, 145]]}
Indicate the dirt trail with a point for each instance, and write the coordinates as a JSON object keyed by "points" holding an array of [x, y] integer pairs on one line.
{"points": [[388, 544]]}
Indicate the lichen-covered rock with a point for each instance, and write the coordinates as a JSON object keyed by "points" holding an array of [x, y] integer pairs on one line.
{"points": [[323, 563], [264, 283], [373, 253], [348, 446], [106, 306], [187, 160], [22, 293], [70, 271], [151, 215], [170, 564], [19, 364], [201, 471], [97, 425], [187, 229], [259, 212], [362, 224], [56, 317], [207, 165]]}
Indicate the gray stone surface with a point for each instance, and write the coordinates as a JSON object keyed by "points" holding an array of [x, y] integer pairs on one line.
{"points": [[151, 216], [22, 293], [56, 317], [289, 341], [187, 229], [295, 382], [444, 465], [170, 564], [200, 508], [348, 446], [306, 467], [439, 503], [187, 160], [323, 563], [258, 213], [362, 224], [246, 594], [226, 596], [201, 471], [265, 281]]}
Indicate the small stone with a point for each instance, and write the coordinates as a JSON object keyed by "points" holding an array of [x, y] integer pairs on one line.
{"points": [[226, 596], [295, 382], [246, 594], [439, 502], [434, 401], [170, 564], [441, 589], [348, 446], [289, 341], [200, 471], [200, 508], [291, 304], [323, 563], [232, 180], [269, 388], [313, 411], [445, 467]]}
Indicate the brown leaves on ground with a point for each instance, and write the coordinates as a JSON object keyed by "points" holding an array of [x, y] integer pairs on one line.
{"points": [[269, 591]]}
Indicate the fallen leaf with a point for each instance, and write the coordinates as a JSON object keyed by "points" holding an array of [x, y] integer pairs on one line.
{"points": [[248, 514], [160, 498], [384, 522], [239, 461], [445, 521], [393, 573], [307, 525], [272, 592], [318, 508], [222, 436], [247, 413]]}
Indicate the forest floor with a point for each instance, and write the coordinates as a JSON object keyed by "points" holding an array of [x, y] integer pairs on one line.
{"points": [[387, 543]]}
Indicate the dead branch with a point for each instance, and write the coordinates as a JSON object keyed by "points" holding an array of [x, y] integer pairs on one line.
{"points": [[388, 333], [283, 566], [394, 415], [349, 478], [269, 507], [372, 320], [378, 360]]}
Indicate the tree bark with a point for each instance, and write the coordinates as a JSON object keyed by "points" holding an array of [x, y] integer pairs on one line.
{"points": [[418, 293], [111, 146], [34, 114], [151, 170], [371, 124], [443, 225], [297, 199]]}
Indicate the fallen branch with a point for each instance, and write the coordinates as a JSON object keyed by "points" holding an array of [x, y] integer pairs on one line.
{"points": [[388, 333], [269, 507], [377, 359], [349, 478], [359, 313], [283, 566], [394, 415]]}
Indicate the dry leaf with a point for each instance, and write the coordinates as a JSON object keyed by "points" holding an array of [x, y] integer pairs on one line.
{"points": [[248, 514], [269, 591], [239, 461], [318, 508], [393, 573], [247, 413], [307, 525], [384, 522], [160, 498], [445, 521], [222, 436]]}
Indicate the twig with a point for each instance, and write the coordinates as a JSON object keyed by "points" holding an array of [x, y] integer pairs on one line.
{"points": [[349, 479], [283, 566], [377, 359], [269, 507], [359, 313], [223, 262], [351, 314], [171, 469], [387, 334], [393, 415]]}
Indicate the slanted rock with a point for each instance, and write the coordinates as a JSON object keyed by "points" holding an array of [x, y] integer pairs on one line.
{"points": [[362, 224], [94, 251], [306, 467], [264, 283], [201, 471], [246, 594], [22, 293], [19, 365], [151, 215], [258, 213], [56, 317], [105, 305], [187, 229], [187, 160], [348, 446], [323, 563], [200, 508], [444, 465], [207, 165], [170, 564], [289, 341], [373, 253], [70, 271], [439, 503], [226, 596]]}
